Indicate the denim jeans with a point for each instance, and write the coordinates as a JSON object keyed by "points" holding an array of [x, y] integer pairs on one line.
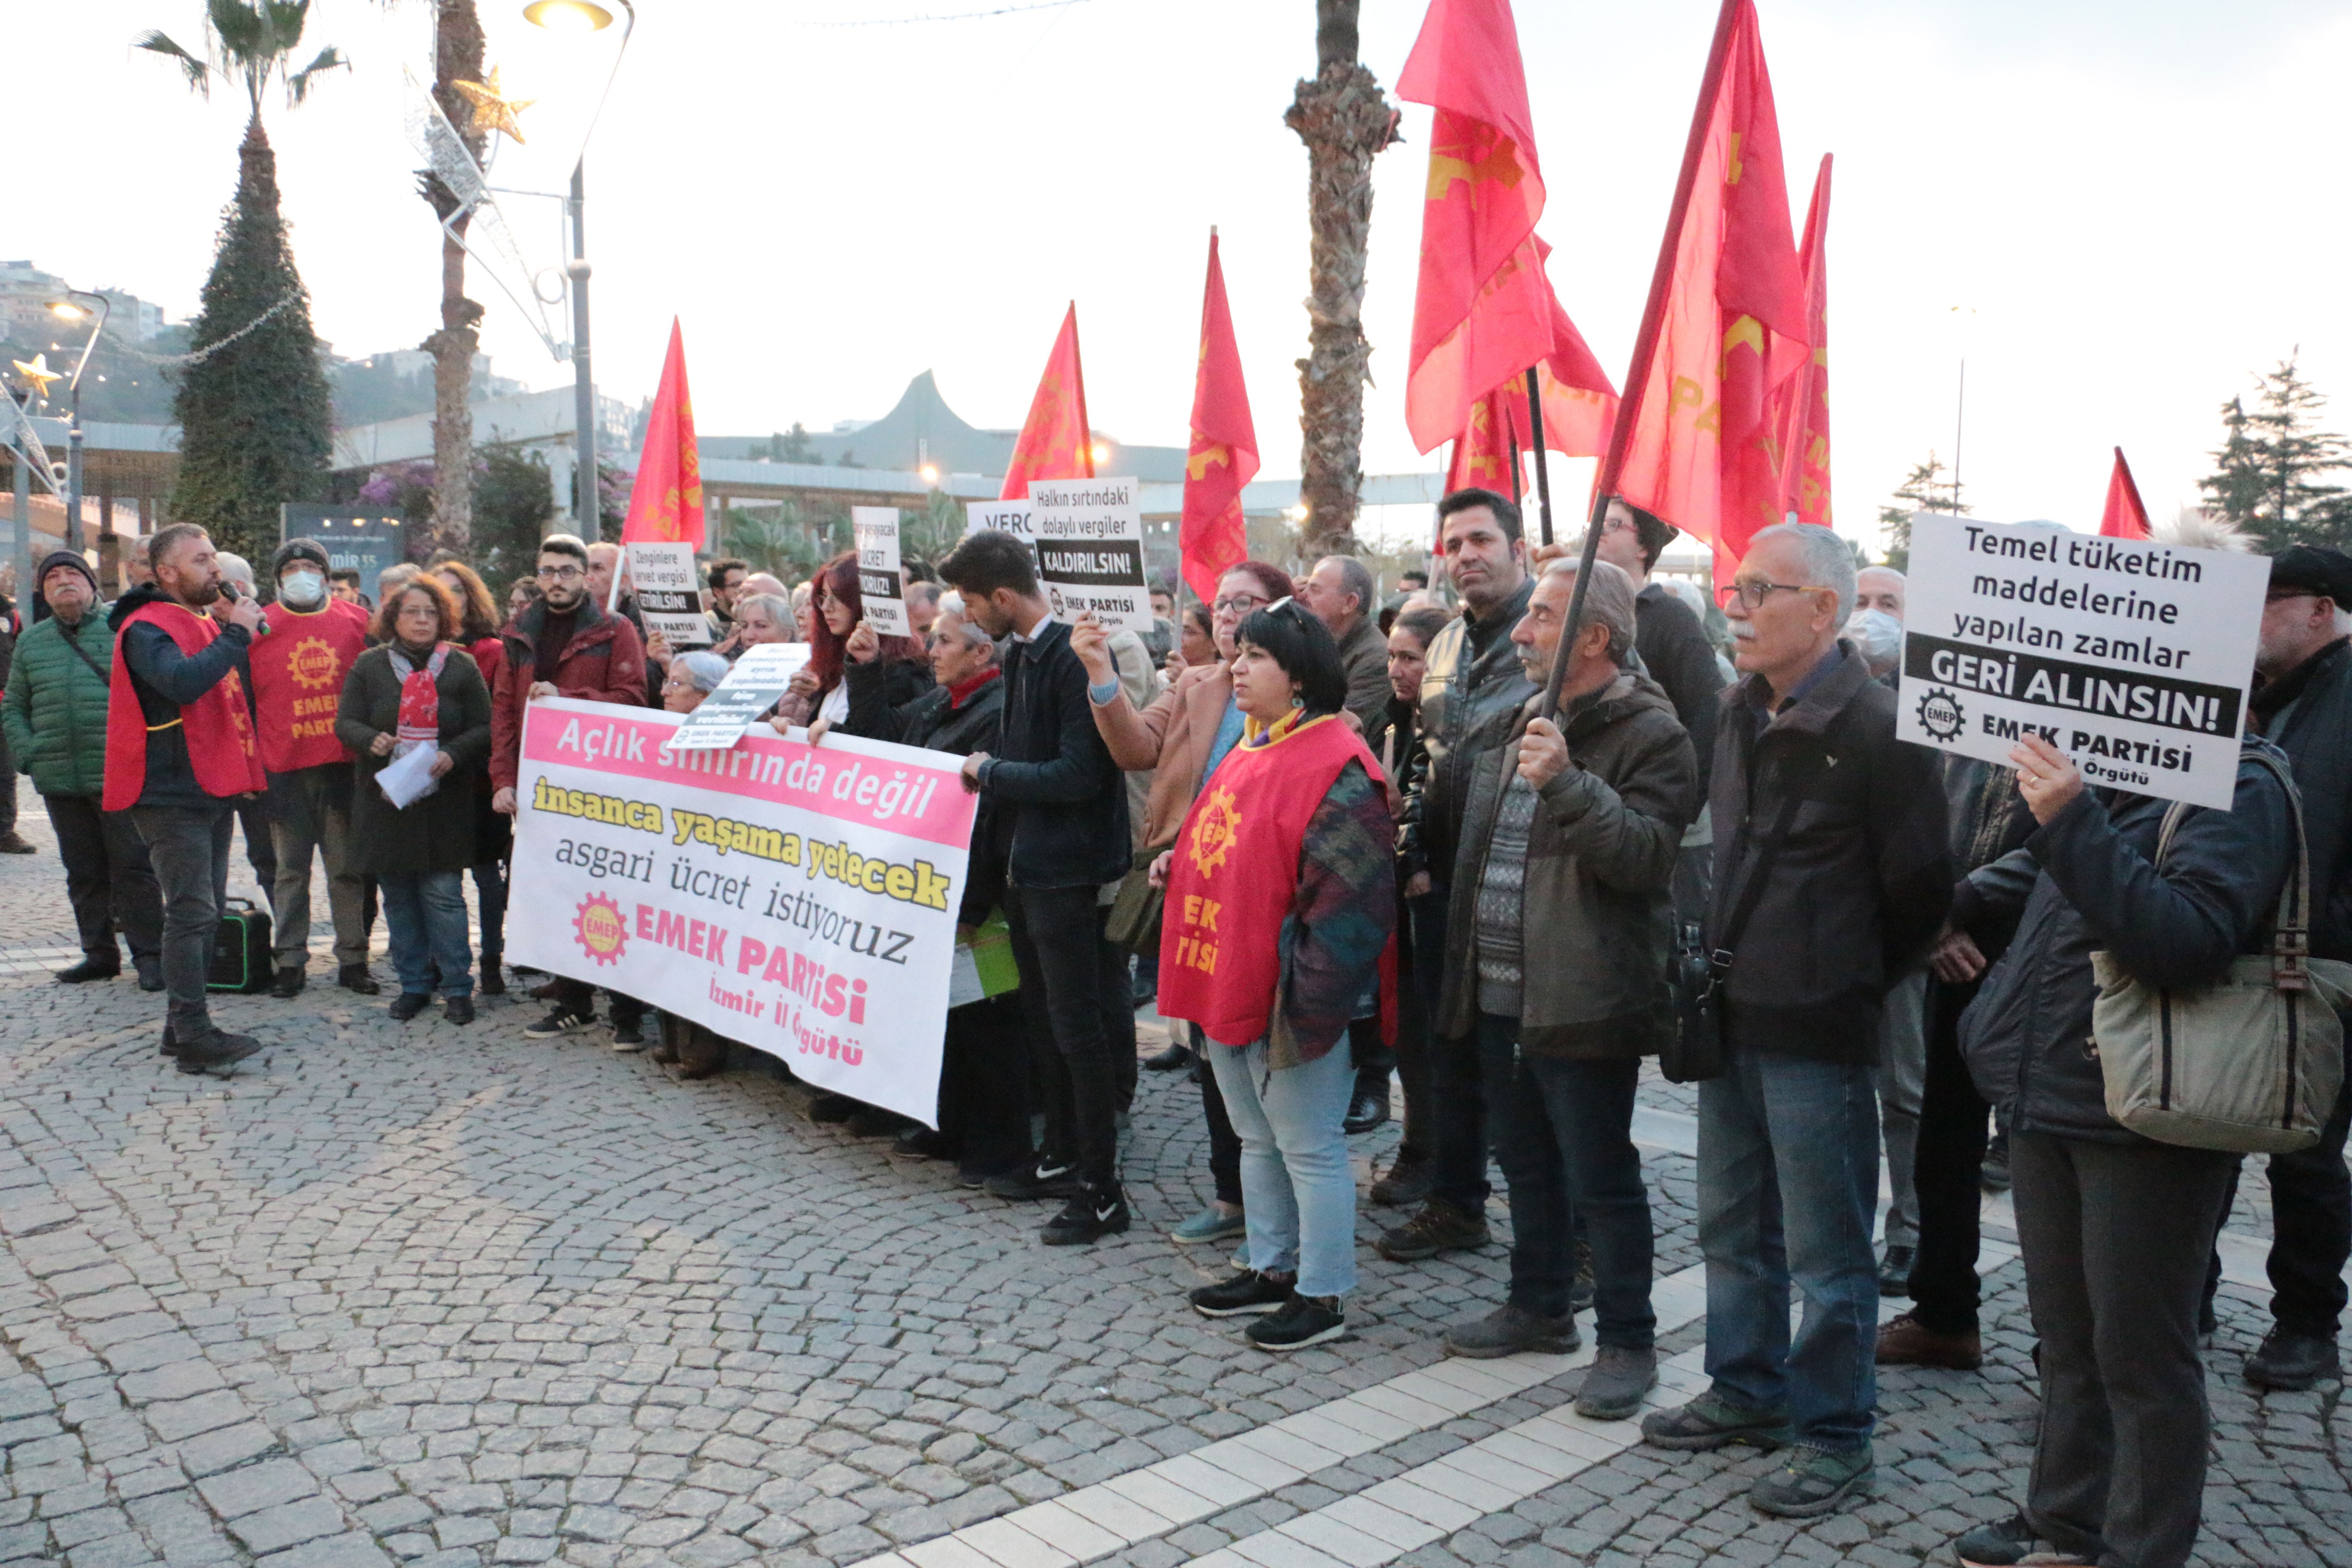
{"points": [[1788, 1185], [1901, 1086], [424, 915], [1564, 1135], [1058, 944], [189, 848], [1298, 1191], [1457, 1104]]}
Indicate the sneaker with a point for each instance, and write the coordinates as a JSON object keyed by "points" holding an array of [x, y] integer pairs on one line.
{"points": [[923, 1143], [2291, 1363], [562, 1019], [975, 1175], [1894, 1270], [629, 1034], [1040, 1178], [1580, 1287], [409, 1003], [1995, 1174], [1613, 1389], [2011, 1543], [1244, 1293], [1439, 1226], [88, 969], [1907, 1341], [1175, 1059], [1301, 1321], [1711, 1422], [151, 971], [289, 983], [1809, 1481], [1094, 1212], [1406, 1183], [1212, 1224], [356, 977], [224, 1049], [1365, 1111], [13, 843], [1508, 1329], [459, 1009]]}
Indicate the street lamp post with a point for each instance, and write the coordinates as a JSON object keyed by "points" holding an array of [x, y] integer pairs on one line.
{"points": [[582, 15], [65, 310]]}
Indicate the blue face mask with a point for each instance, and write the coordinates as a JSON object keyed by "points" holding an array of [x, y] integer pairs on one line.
{"points": [[302, 590]]}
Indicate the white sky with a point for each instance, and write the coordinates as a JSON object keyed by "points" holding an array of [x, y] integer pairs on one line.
{"points": [[2141, 201]]}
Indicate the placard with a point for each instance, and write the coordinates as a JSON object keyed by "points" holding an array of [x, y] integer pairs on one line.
{"points": [[879, 586], [1003, 516], [751, 688], [669, 587], [1089, 539], [2131, 656], [801, 900]]}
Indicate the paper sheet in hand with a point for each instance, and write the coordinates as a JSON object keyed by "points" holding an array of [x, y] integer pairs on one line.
{"points": [[751, 688], [1089, 538], [669, 592], [876, 530], [409, 778]]}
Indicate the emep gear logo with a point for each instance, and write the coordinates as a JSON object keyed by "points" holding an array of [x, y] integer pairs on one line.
{"points": [[313, 664], [1214, 831], [602, 932], [1941, 715]]}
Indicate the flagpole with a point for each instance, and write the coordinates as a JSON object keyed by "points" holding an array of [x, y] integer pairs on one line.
{"points": [[1646, 345], [1511, 431], [1543, 470]]}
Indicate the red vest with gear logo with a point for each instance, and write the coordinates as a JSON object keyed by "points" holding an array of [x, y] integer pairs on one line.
{"points": [[219, 730], [298, 680]]}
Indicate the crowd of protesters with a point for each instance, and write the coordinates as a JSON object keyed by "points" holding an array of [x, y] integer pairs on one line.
{"points": [[1336, 840]]}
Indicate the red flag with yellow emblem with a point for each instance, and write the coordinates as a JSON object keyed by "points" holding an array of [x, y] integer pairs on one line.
{"points": [[1056, 442], [1704, 453], [666, 501], [1213, 538], [1580, 407], [1805, 396]]}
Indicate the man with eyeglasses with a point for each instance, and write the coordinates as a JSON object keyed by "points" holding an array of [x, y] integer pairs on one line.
{"points": [[565, 644], [1832, 876]]}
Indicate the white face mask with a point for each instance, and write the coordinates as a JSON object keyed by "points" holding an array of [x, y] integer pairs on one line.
{"points": [[303, 589]]}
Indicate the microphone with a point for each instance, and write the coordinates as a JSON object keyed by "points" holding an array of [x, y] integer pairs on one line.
{"points": [[232, 593]]}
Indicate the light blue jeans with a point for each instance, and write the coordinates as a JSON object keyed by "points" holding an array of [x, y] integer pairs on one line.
{"points": [[1788, 1183], [1298, 1191], [424, 916]]}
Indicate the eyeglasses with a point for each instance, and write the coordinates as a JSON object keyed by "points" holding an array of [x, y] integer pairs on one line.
{"points": [[560, 574], [1753, 593], [1233, 602]]}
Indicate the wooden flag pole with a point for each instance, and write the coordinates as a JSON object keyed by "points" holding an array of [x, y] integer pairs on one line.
{"points": [[1543, 470], [1645, 344]]}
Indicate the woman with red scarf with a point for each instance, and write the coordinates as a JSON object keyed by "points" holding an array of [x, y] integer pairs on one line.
{"points": [[818, 691], [1281, 896], [419, 689]]}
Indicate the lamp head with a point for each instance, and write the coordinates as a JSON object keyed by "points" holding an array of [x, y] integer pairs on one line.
{"points": [[568, 16], [66, 310]]}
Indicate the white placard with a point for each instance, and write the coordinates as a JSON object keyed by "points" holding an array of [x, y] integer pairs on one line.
{"points": [[1003, 516], [751, 688], [878, 582], [2131, 656], [669, 587], [1089, 539]]}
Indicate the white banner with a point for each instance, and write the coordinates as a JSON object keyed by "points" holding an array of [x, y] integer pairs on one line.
{"points": [[2132, 658], [668, 587], [801, 900], [1003, 516], [878, 586], [1089, 539]]}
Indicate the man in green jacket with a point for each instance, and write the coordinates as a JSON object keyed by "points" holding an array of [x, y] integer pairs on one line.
{"points": [[54, 720]]}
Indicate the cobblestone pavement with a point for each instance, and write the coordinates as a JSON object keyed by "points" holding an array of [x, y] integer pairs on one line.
{"points": [[436, 1296]]}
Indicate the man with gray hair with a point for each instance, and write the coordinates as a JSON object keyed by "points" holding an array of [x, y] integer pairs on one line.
{"points": [[1564, 887], [1807, 929], [1346, 597]]}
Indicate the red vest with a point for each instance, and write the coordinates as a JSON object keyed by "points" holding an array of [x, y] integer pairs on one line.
{"points": [[298, 678], [1234, 877], [219, 730]]}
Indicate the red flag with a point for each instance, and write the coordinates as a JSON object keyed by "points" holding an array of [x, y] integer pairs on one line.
{"points": [[1580, 406], [1056, 442], [1482, 312], [1804, 399], [1213, 538], [1702, 452], [2125, 518], [666, 501]]}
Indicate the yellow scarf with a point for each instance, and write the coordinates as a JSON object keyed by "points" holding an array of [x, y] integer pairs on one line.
{"points": [[1256, 735]]}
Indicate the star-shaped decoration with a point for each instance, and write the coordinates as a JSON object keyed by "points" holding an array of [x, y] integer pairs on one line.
{"points": [[493, 110], [39, 373]]}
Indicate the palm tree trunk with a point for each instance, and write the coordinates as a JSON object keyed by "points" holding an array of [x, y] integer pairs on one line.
{"points": [[1345, 121], [457, 57]]}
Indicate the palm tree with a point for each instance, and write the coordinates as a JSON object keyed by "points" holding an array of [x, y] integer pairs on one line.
{"points": [[249, 42], [1345, 121], [457, 57]]}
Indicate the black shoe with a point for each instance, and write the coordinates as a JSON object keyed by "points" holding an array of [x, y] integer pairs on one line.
{"points": [[1894, 1270], [224, 1049], [409, 1003], [629, 1034], [459, 1009], [2007, 1543], [1407, 1182], [831, 1110], [90, 969], [975, 1175], [1244, 1293], [873, 1122], [171, 1045], [545, 990], [289, 983], [923, 1143], [1509, 1330], [1995, 1175], [151, 972], [1580, 1287], [563, 1020], [1142, 994], [494, 980], [1037, 1179], [2292, 1362], [1303, 1320], [1175, 1059], [1365, 1111], [1094, 1213], [1438, 1227], [11, 843], [356, 977]]}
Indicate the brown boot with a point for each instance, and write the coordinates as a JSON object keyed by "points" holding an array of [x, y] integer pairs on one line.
{"points": [[700, 1053], [1907, 1342], [665, 1049]]}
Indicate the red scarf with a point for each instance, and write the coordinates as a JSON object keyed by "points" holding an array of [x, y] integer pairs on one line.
{"points": [[961, 692], [218, 730], [420, 698]]}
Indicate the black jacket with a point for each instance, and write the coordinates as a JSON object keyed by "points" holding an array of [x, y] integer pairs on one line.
{"points": [[2027, 1037], [1059, 801], [933, 722], [437, 833], [164, 680], [1863, 883], [1677, 656], [1472, 688], [2307, 714]]}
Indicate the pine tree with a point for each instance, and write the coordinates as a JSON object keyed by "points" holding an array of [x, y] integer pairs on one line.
{"points": [[2267, 475], [1926, 489]]}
